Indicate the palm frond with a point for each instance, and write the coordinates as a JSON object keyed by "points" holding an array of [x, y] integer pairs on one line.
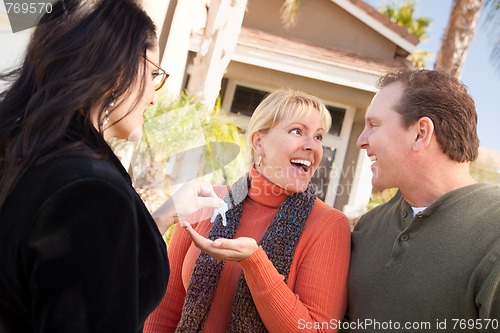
{"points": [[492, 21], [290, 13]]}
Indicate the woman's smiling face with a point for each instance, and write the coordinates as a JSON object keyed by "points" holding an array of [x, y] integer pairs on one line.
{"points": [[291, 150]]}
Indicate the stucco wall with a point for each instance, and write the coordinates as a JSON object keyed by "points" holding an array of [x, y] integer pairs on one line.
{"points": [[321, 22]]}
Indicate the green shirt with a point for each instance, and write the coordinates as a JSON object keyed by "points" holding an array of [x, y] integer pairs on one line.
{"points": [[432, 272]]}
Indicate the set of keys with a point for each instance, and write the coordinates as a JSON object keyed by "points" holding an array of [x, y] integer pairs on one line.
{"points": [[222, 211]]}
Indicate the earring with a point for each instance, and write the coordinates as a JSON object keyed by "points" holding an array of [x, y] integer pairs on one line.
{"points": [[106, 112], [260, 160], [106, 118]]}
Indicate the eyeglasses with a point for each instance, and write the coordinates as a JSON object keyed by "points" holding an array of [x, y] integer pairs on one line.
{"points": [[159, 76]]}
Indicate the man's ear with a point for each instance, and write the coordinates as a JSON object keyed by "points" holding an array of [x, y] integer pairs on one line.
{"points": [[424, 129]]}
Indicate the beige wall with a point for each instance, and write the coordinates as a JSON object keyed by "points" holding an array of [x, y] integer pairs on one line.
{"points": [[323, 23]]}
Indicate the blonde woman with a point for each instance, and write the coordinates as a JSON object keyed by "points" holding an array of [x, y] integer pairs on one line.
{"points": [[281, 262]]}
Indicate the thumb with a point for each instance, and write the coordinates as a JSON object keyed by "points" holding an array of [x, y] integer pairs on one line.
{"points": [[217, 243]]}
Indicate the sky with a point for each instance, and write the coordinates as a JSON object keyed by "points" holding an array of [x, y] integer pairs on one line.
{"points": [[479, 74]]}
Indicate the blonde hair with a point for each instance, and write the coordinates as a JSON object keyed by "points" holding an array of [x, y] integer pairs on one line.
{"points": [[285, 104]]}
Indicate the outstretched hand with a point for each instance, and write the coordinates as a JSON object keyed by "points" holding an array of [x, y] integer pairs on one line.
{"points": [[224, 249], [191, 197]]}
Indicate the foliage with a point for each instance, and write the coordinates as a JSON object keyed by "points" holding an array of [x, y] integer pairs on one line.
{"points": [[171, 128], [419, 58], [290, 13], [485, 171], [379, 197], [492, 10], [403, 15]]}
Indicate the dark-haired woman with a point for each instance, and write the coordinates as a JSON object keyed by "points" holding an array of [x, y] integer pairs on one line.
{"points": [[79, 251]]}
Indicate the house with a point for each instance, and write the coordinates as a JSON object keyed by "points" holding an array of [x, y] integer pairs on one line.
{"points": [[336, 51]]}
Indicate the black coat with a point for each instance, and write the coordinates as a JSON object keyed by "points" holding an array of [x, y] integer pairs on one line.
{"points": [[79, 251]]}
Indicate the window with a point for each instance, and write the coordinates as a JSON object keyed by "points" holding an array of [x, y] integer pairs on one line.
{"points": [[337, 119], [245, 100]]}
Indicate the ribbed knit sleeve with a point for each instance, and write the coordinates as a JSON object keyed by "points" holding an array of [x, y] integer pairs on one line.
{"points": [[316, 293]]}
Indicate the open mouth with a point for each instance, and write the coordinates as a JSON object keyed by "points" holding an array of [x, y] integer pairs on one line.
{"points": [[304, 165]]}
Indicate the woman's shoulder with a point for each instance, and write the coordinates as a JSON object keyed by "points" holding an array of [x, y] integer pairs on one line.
{"points": [[65, 172], [321, 209], [325, 224], [326, 217], [77, 167], [65, 181]]}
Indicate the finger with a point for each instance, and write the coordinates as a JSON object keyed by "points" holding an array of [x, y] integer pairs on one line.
{"points": [[227, 244], [206, 189], [218, 243], [232, 243], [184, 223], [201, 242]]}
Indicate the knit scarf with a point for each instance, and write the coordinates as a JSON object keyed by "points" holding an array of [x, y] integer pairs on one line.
{"points": [[279, 243]]}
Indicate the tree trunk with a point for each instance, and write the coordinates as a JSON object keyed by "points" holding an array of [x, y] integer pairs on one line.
{"points": [[458, 36], [176, 50], [216, 48]]}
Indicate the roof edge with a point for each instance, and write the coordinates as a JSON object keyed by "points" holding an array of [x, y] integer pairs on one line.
{"points": [[380, 23]]}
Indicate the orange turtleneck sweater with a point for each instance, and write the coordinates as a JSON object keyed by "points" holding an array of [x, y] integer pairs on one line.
{"points": [[315, 294]]}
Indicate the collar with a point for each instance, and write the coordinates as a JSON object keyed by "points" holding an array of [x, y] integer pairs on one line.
{"points": [[443, 201], [265, 192]]}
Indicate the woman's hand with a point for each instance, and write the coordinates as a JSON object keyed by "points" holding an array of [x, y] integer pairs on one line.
{"points": [[191, 197], [236, 249]]}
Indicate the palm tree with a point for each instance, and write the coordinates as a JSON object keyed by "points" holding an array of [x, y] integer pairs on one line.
{"points": [[403, 15], [492, 7], [458, 36], [460, 31]]}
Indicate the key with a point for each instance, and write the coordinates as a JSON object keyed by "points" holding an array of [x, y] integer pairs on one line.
{"points": [[222, 211]]}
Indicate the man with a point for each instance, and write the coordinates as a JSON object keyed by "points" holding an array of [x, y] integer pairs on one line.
{"points": [[429, 259]]}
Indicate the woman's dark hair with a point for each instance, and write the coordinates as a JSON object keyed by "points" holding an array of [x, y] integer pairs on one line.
{"points": [[80, 57]]}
